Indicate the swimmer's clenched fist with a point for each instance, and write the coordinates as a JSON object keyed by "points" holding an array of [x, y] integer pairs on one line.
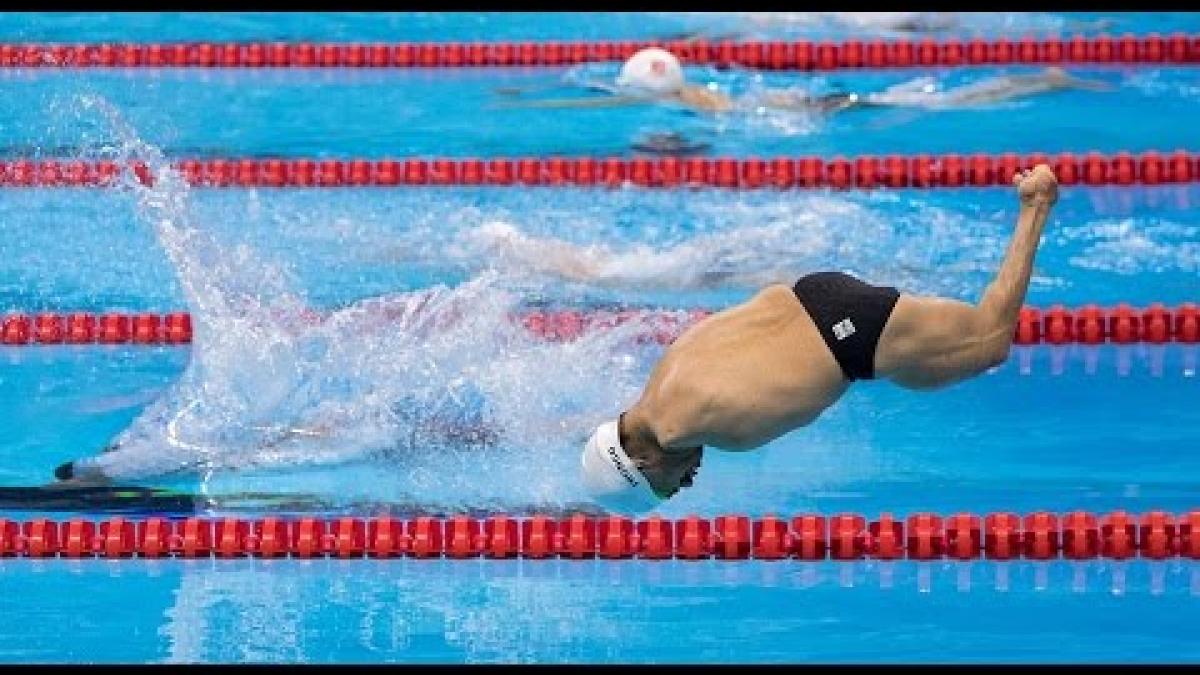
{"points": [[1036, 186]]}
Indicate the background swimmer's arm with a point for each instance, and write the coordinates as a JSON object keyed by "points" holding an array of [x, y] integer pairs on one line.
{"points": [[600, 85], [825, 103], [599, 102], [831, 103], [1088, 85], [591, 85], [551, 255]]}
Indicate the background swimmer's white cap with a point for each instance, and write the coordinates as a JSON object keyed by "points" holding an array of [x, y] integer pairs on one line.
{"points": [[652, 69], [611, 477]]}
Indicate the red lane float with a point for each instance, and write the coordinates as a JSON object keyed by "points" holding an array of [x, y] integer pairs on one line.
{"points": [[1039, 536], [1151, 48], [1057, 325], [859, 172]]}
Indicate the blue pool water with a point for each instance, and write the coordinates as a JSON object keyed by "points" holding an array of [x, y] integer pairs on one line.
{"points": [[1053, 428]]}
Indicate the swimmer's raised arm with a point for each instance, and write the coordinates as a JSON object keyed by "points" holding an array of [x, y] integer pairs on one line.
{"points": [[932, 342]]}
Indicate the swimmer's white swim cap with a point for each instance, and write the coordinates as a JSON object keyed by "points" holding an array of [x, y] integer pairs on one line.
{"points": [[611, 477], [652, 69]]}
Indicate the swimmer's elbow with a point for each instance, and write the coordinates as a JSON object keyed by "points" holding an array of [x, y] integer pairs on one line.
{"points": [[994, 351], [998, 354]]}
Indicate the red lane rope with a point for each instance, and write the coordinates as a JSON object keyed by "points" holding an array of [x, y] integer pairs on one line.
{"points": [[1056, 325], [864, 171], [1040, 535], [1176, 48]]}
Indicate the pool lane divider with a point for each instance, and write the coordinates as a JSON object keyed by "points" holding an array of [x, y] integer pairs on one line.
{"points": [[1090, 324], [950, 170], [1041, 535], [1176, 48]]}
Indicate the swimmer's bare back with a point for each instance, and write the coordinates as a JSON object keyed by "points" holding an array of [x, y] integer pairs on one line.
{"points": [[741, 377], [749, 374], [704, 99]]}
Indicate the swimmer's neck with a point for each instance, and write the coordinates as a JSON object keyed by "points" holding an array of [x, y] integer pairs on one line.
{"points": [[635, 432], [641, 429]]}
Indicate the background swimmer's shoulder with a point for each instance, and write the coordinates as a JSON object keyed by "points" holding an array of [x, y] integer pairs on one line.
{"points": [[702, 97]]}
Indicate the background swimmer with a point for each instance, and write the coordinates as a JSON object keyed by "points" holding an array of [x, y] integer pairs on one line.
{"points": [[655, 75]]}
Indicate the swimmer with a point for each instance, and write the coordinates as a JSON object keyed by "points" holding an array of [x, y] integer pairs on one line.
{"points": [[655, 75], [751, 373]]}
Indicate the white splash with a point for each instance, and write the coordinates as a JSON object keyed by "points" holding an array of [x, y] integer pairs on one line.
{"points": [[440, 383], [756, 244], [1131, 246]]}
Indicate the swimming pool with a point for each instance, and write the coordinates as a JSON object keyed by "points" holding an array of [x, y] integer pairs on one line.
{"points": [[1057, 428]]}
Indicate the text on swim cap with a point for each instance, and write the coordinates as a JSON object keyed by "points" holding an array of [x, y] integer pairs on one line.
{"points": [[612, 453]]}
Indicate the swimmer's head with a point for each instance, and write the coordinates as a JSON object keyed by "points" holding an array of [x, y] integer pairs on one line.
{"points": [[611, 478], [652, 70], [624, 483]]}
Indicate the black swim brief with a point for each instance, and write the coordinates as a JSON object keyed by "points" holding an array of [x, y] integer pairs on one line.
{"points": [[850, 315]]}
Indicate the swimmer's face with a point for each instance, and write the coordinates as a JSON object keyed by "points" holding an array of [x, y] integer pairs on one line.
{"points": [[670, 470]]}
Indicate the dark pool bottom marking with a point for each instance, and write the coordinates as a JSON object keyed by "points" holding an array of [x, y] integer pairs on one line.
{"points": [[144, 500], [106, 499]]}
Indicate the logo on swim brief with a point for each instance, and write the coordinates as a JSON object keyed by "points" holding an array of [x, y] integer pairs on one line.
{"points": [[843, 329], [612, 454]]}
